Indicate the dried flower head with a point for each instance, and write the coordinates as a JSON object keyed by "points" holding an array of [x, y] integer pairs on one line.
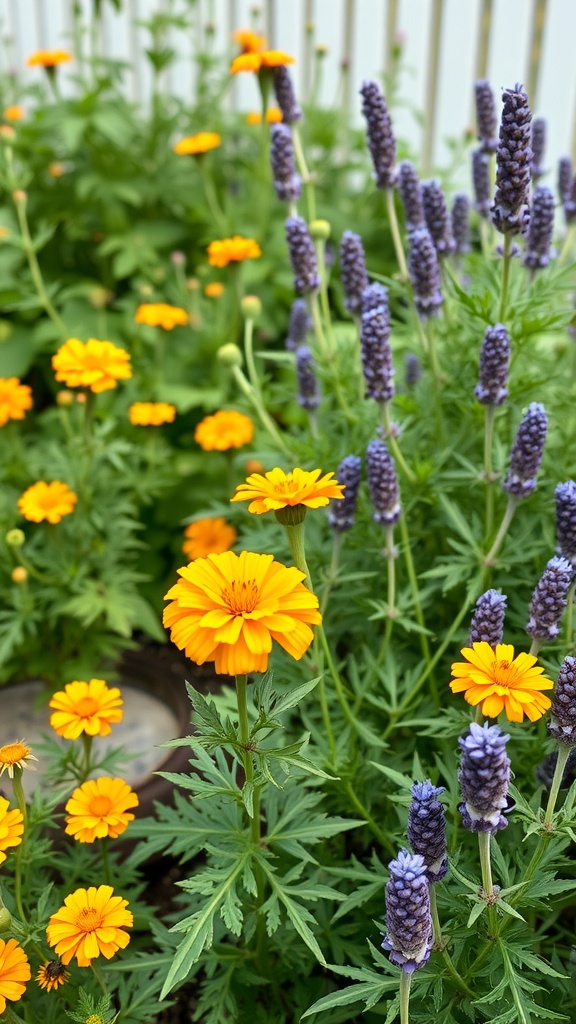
{"points": [[484, 777], [409, 931], [16, 755], [52, 974]]}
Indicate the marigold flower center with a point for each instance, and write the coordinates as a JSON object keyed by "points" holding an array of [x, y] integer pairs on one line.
{"points": [[86, 707], [501, 672], [13, 752], [100, 806], [241, 597], [89, 919]]}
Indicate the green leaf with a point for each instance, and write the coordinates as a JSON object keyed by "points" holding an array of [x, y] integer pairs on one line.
{"points": [[475, 913], [401, 780]]}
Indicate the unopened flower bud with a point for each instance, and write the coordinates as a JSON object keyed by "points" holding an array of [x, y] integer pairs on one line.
{"points": [[5, 920], [320, 229], [19, 575], [230, 355], [251, 307], [177, 258], [15, 538], [254, 466], [19, 196]]}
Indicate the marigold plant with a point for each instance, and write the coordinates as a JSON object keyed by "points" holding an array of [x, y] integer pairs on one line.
{"points": [[14, 972], [48, 58], [151, 414], [15, 755], [210, 536], [47, 501], [193, 145], [498, 681], [14, 112], [223, 430], [273, 116], [262, 59], [15, 399], [232, 250], [97, 365], [11, 827], [248, 40], [100, 808], [161, 314], [86, 707], [277, 489], [89, 925]]}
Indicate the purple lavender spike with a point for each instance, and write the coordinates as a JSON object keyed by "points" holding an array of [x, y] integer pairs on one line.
{"points": [[373, 296], [412, 370], [285, 98], [513, 159], [484, 777], [302, 256], [460, 223], [487, 625], [287, 183], [300, 324], [382, 483], [494, 359], [424, 273], [538, 142], [540, 230], [341, 514], [377, 354], [427, 828], [565, 495], [562, 725], [353, 271], [564, 178], [486, 118], [549, 599], [410, 191], [381, 141], [436, 216], [481, 182], [527, 450], [409, 930]]}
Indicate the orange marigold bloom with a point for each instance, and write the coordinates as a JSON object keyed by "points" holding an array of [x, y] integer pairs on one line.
{"points": [[151, 414], [50, 502], [16, 755], [89, 925], [14, 972], [11, 827], [48, 58], [93, 364], [249, 41], [225, 429], [100, 808], [161, 314], [52, 974], [277, 489], [56, 169], [15, 399], [273, 116], [232, 250], [208, 537], [256, 61], [13, 112], [229, 608], [86, 707], [498, 681], [214, 290], [192, 145]]}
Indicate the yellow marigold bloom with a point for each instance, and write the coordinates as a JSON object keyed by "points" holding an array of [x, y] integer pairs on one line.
{"points": [[13, 113], [151, 414], [277, 489], [273, 116], [86, 707], [192, 145], [100, 808], [214, 290], [249, 41], [15, 399], [93, 364], [498, 681], [56, 169], [232, 250], [16, 755], [11, 827], [225, 429], [50, 502], [160, 314], [229, 608], [14, 972], [256, 61], [52, 974], [89, 925], [208, 537], [48, 58]]}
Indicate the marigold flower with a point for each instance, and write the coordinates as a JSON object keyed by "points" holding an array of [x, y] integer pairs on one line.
{"points": [[11, 824], [208, 537], [161, 314], [15, 755], [56, 169], [225, 429], [498, 681], [232, 250], [277, 489], [48, 58], [273, 116], [192, 145], [85, 707], [151, 414], [52, 974], [214, 290], [249, 41], [93, 364], [15, 399], [13, 113], [256, 61], [14, 972], [89, 925], [228, 609], [47, 501], [100, 808]]}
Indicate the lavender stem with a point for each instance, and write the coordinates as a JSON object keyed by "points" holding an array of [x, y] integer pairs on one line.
{"points": [[563, 755], [506, 258], [304, 173], [392, 442], [396, 237], [488, 474], [490, 560], [405, 981]]}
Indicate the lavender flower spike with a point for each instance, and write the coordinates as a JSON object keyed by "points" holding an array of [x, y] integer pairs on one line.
{"points": [[381, 141], [538, 142], [302, 256], [382, 483], [410, 191], [436, 216], [494, 359], [424, 273], [353, 271], [486, 119], [562, 725], [412, 370], [484, 777], [427, 828], [409, 929], [373, 296], [300, 324], [549, 599], [341, 514], [513, 159], [287, 183], [285, 97], [564, 178], [377, 354], [540, 230], [565, 495], [308, 396], [570, 203], [487, 625], [460, 225], [481, 182], [526, 454]]}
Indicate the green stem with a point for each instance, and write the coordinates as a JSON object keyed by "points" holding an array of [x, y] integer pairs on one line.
{"points": [[563, 755], [490, 560], [211, 196], [567, 245], [256, 402], [325, 304], [396, 237], [488, 475], [328, 357], [332, 571], [391, 554], [249, 356], [98, 978], [535, 51], [506, 260], [405, 982], [416, 601], [87, 744], [244, 737], [390, 437], [304, 173], [28, 247], [485, 865], [436, 371], [440, 945], [105, 862]]}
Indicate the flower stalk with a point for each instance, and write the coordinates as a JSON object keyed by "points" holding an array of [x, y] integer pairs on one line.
{"points": [[563, 755]]}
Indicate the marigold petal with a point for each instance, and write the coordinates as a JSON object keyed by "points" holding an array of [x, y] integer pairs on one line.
{"points": [[492, 706]]}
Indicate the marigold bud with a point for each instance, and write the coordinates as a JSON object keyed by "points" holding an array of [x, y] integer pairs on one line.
{"points": [[230, 355], [19, 196], [19, 574], [15, 538], [64, 397], [251, 307], [320, 229]]}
